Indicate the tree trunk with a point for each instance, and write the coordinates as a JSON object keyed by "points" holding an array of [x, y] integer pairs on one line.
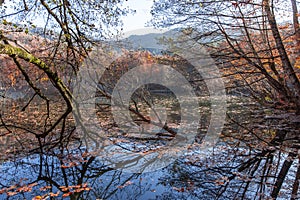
{"points": [[296, 27], [282, 174], [296, 182], [286, 64]]}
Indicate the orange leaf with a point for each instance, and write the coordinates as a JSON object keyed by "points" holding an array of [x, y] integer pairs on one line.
{"points": [[67, 194], [64, 188], [45, 188], [11, 193], [79, 190], [54, 194]]}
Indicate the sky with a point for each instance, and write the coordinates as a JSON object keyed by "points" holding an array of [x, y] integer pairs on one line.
{"points": [[133, 23], [140, 18], [136, 23]]}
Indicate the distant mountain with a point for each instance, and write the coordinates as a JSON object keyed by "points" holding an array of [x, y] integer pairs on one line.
{"points": [[150, 42]]}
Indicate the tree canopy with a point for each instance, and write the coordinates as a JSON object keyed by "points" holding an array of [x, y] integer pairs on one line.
{"points": [[256, 40]]}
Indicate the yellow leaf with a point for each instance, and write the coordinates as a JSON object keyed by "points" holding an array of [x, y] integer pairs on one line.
{"points": [[44, 79], [267, 98], [37, 197]]}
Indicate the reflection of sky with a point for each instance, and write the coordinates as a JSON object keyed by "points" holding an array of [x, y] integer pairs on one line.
{"points": [[140, 18]]}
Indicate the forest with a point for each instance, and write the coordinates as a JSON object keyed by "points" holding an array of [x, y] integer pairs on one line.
{"points": [[206, 108]]}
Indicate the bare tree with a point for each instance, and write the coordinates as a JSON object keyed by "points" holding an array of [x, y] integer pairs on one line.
{"points": [[246, 38], [44, 56]]}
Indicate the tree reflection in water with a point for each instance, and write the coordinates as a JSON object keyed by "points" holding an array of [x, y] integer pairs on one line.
{"points": [[232, 173], [256, 159]]}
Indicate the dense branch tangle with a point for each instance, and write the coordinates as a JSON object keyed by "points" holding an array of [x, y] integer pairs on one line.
{"points": [[45, 59], [243, 36]]}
